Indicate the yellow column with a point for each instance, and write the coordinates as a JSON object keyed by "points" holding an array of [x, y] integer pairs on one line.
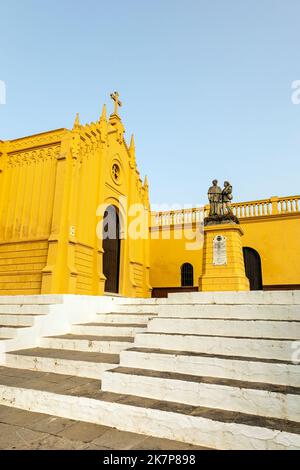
{"points": [[223, 261], [59, 275], [98, 276], [101, 159]]}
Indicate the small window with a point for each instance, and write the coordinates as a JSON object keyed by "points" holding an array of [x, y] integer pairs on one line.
{"points": [[187, 275]]}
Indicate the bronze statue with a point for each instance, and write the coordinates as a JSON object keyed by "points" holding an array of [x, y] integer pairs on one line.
{"points": [[227, 198], [220, 210], [215, 199]]}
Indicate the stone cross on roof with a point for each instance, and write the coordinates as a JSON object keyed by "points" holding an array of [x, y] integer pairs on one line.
{"points": [[115, 97]]}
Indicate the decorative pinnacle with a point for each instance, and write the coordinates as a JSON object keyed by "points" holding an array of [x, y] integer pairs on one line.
{"points": [[76, 122], [132, 144], [103, 115]]}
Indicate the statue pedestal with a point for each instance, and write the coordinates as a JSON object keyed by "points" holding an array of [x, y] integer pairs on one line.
{"points": [[223, 261]]}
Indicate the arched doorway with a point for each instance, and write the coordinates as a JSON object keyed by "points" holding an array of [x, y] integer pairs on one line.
{"points": [[187, 275], [253, 268], [111, 247]]}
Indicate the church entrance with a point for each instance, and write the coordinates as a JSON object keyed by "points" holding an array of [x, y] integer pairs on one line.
{"points": [[111, 248], [253, 268]]}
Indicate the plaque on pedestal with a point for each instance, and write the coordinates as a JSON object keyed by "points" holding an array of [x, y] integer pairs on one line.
{"points": [[219, 251]]}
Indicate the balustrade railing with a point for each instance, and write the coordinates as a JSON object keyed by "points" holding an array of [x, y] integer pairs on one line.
{"points": [[264, 207]]}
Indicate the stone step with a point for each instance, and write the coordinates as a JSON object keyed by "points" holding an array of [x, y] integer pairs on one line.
{"points": [[249, 369], [10, 331], [264, 348], [104, 329], [231, 298], [27, 430], [243, 312], [46, 299], [150, 309], [138, 319], [140, 301], [80, 399], [89, 343], [77, 363], [229, 327], [259, 399], [17, 320], [24, 309], [238, 311]]}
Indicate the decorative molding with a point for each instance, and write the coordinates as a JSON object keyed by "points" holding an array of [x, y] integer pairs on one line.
{"points": [[37, 140], [115, 189], [31, 239], [270, 218], [33, 156], [182, 226]]}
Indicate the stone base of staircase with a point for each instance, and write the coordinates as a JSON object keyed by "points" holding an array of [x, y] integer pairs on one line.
{"points": [[210, 369], [27, 430], [81, 399]]}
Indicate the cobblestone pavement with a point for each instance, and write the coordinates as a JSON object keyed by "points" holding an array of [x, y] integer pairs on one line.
{"points": [[20, 429]]}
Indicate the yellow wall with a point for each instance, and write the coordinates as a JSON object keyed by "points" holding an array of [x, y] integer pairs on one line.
{"points": [[277, 240], [168, 255], [275, 237], [27, 186]]}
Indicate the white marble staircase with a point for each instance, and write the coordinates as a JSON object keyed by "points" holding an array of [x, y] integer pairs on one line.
{"points": [[87, 350], [228, 352], [24, 320], [213, 369]]}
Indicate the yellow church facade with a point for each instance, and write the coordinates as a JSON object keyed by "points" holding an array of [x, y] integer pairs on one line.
{"points": [[55, 187], [62, 191]]}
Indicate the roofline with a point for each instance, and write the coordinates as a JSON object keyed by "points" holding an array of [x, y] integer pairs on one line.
{"points": [[40, 133]]}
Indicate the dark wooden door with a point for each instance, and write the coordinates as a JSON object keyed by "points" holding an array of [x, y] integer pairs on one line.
{"points": [[111, 247], [253, 268]]}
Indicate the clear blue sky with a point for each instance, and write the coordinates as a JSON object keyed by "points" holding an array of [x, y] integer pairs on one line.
{"points": [[205, 84]]}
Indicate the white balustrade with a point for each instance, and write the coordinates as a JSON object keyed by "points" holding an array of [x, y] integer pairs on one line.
{"points": [[242, 210]]}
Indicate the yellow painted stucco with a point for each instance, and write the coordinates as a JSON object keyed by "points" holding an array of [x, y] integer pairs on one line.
{"points": [[231, 274], [168, 255], [275, 236], [277, 240]]}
